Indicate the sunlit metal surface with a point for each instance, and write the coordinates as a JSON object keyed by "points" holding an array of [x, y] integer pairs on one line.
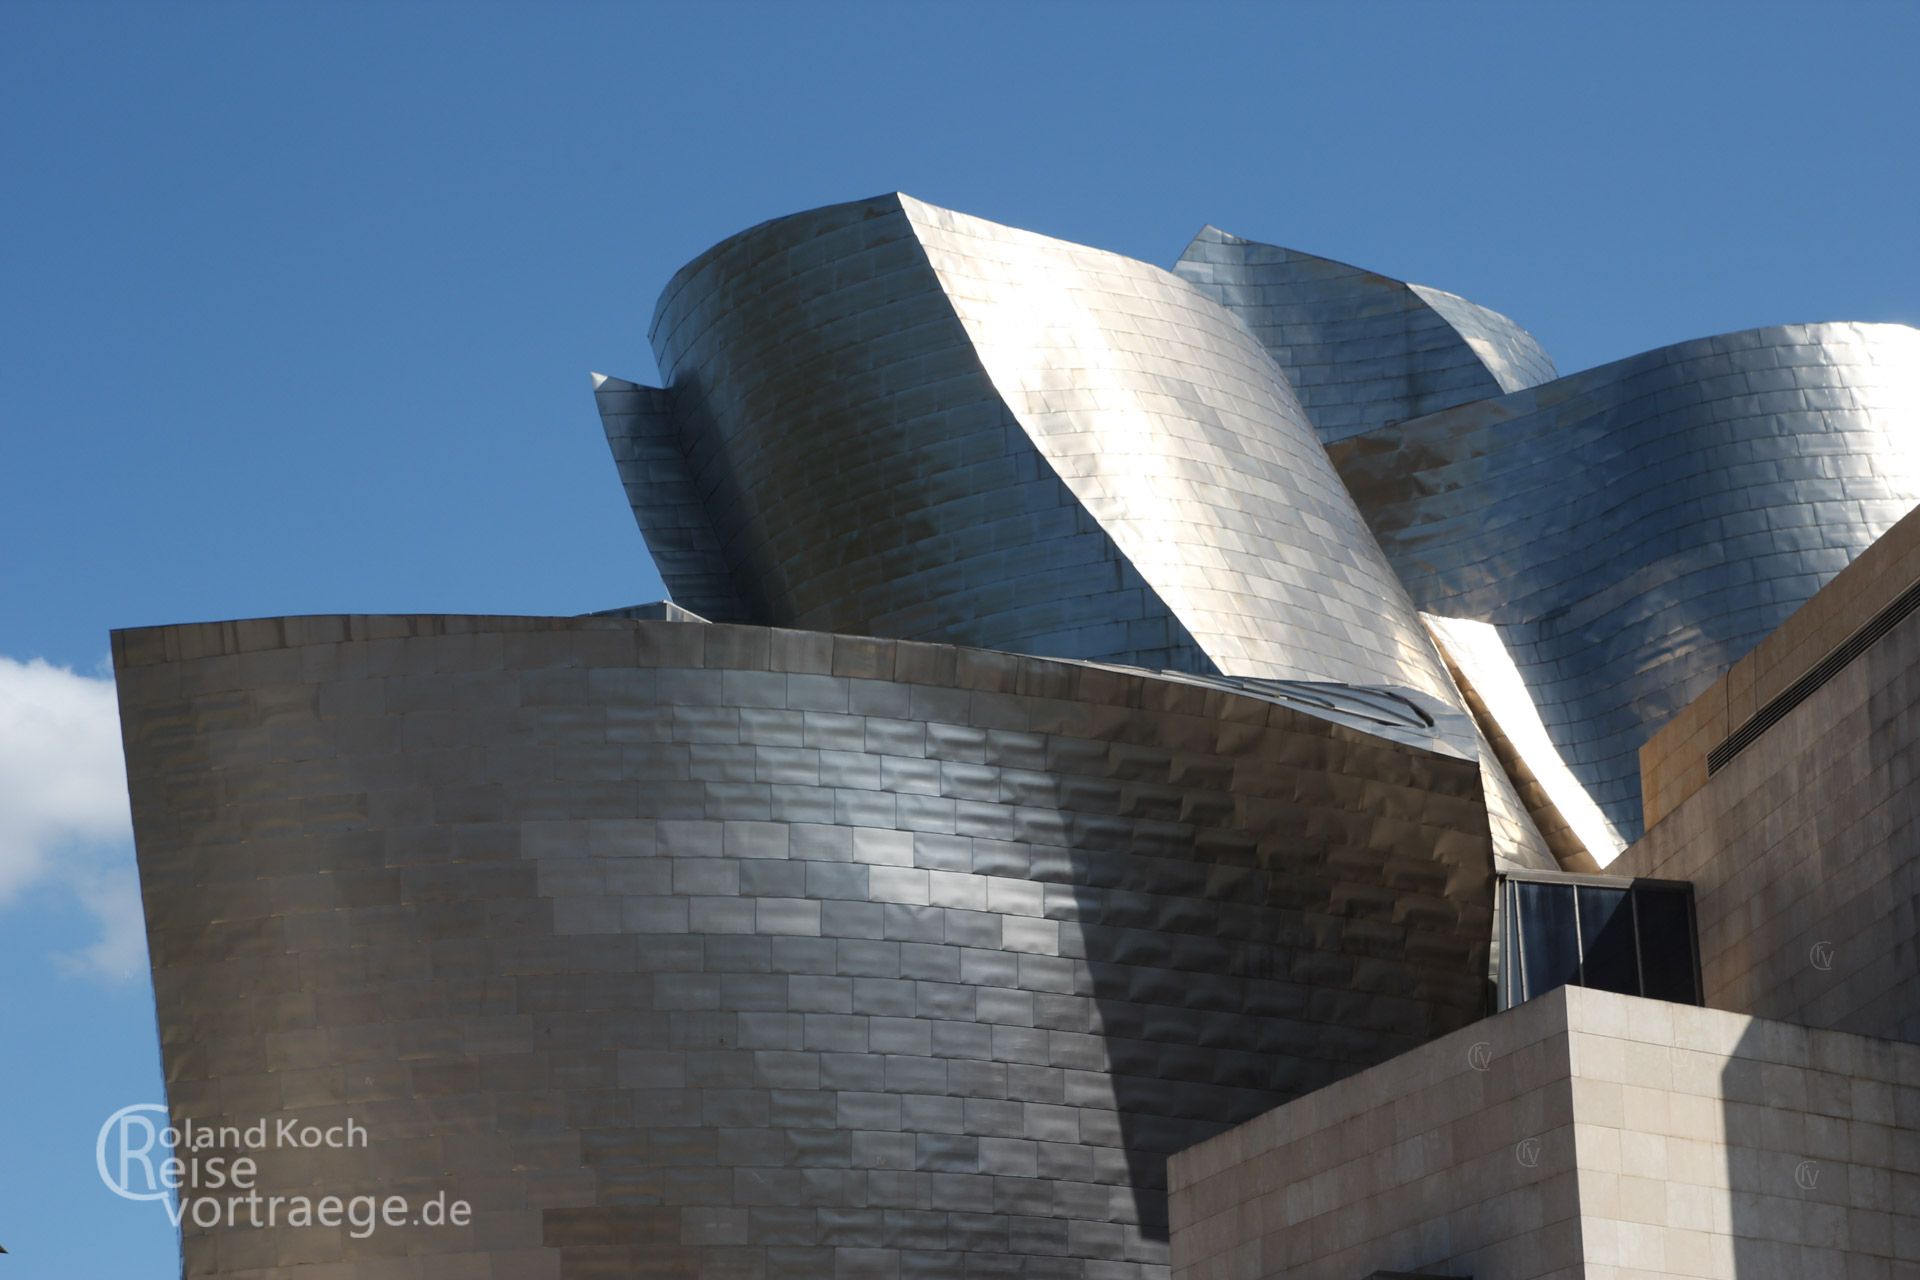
{"points": [[1634, 529], [914, 423], [1168, 423], [730, 950], [1574, 828], [1359, 348], [716, 951]]}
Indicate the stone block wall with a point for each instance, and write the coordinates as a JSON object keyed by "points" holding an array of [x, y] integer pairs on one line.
{"points": [[1804, 853], [1584, 1134]]}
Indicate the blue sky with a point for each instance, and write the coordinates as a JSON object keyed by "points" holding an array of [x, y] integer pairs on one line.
{"points": [[298, 303]]}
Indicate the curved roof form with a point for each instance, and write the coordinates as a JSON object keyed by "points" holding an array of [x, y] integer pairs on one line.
{"points": [[1632, 530], [1513, 356], [666, 502], [1166, 421], [914, 423], [909, 422], [862, 472], [888, 418], [1362, 349]]}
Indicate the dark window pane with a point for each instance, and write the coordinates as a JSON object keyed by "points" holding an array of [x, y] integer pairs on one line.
{"points": [[1549, 954], [1666, 945], [1606, 935], [1510, 952]]}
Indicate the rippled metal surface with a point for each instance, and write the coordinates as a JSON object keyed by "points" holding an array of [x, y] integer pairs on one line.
{"points": [[1634, 529], [724, 950], [1169, 424], [915, 423], [1362, 349], [910, 422], [711, 950]]}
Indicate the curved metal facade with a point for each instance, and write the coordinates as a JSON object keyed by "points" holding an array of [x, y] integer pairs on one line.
{"points": [[738, 951], [1362, 349], [1513, 356], [862, 473], [667, 503], [919, 424], [1170, 425], [1634, 529], [913, 423], [691, 950]]}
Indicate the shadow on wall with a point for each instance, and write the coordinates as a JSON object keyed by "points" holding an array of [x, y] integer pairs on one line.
{"points": [[1322, 908], [685, 949], [1811, 1129], [1817, 895], [1829, 881]]}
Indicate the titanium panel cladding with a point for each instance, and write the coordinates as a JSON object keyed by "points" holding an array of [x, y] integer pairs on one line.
{"points": [[909, 422], [1720, 483], [1169, 424], [707, 950], [666, 502], [1362, 349], [860, 468], [919, 424]]}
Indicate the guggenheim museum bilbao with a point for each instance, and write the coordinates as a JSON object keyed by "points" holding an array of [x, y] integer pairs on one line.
{"points": [[1233, 772]]}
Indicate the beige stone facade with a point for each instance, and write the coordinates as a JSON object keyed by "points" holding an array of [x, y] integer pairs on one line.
{"points": [[1801, 848], [1584, 1134], [1587, 1134]]}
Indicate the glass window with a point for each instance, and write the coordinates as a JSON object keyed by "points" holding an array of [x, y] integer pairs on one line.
{"points": [[1549, 945], [1510, 953], [1637, 939], [1666, 945], [1607, 959]]}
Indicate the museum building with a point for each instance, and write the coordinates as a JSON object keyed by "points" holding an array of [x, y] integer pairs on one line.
{"points": [[1237, 772]]}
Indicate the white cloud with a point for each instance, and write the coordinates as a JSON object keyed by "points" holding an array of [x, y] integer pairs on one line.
{"points": [[120, 953], [64, 822]]}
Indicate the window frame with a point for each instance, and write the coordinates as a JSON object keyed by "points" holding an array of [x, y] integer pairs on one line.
{"points": [[1509, 932]]}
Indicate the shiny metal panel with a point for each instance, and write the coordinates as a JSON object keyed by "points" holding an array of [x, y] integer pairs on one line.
{"points": [[1574, 828], [1513, 356], [1168, 423], [666, 502], [919, 424], [1634, 529], [862, 471], [914, 423], [722, 950], [719, 951], [1362, 349]]}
